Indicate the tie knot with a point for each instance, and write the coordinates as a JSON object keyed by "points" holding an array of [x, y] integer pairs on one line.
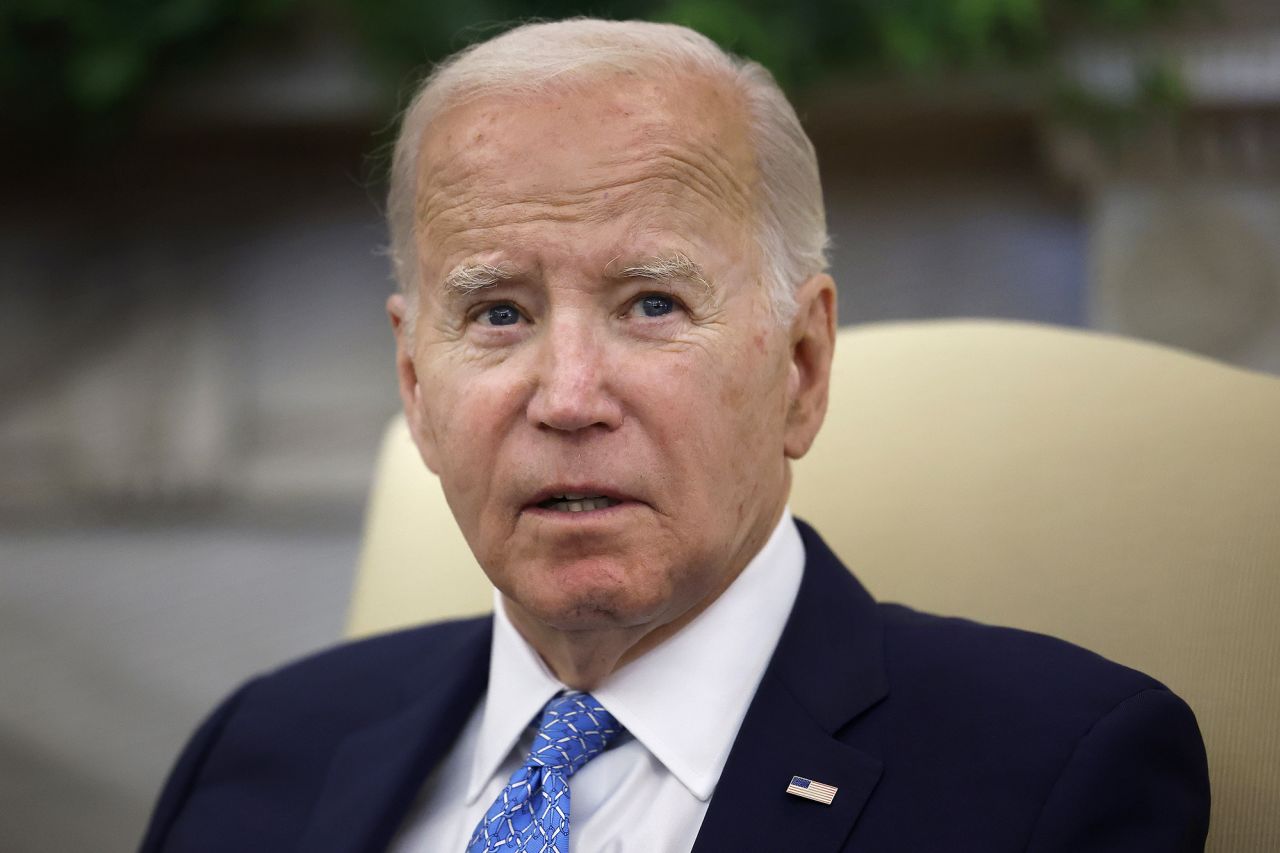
{"points": [[575, 728]]}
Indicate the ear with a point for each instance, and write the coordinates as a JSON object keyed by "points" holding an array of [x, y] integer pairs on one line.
{"points": [[812, 341], [410, 388]]}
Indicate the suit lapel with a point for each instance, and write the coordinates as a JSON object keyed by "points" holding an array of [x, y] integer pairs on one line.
{"points": [[378, 770], [828, 669]]}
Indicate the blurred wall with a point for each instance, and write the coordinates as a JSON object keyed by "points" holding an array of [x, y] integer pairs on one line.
{"points": [[196, 373]]}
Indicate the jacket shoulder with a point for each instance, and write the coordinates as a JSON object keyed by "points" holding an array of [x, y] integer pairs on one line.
{"points": [[255, 766], [1031, 734], [994, 712], [985, 664], [374, 672]]}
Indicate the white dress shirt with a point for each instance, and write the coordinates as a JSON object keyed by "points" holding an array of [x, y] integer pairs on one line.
{"points": [[681, 703]]}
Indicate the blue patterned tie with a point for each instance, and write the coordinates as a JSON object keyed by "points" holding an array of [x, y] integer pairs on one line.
{"points": [[532, 812]]}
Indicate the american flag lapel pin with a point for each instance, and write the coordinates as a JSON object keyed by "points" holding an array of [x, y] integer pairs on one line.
{"points": [[811, 790]]}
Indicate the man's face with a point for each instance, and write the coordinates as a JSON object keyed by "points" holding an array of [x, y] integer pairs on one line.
{"points": [[595, 373]]}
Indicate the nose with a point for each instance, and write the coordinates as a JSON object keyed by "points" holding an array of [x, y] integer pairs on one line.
{"points": [[572, 390]]}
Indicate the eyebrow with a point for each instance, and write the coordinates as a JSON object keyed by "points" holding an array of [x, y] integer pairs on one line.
{"points": [[676, 267], [468, 278]]}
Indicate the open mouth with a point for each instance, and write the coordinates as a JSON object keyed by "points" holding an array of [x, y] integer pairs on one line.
{"points": [[577, 503]]}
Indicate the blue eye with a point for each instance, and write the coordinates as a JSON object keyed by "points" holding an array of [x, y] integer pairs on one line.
{"points": [[655, 305], [503, 315]]}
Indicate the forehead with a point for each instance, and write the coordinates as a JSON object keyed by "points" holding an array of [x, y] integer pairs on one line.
{"points": [[668, 154]]}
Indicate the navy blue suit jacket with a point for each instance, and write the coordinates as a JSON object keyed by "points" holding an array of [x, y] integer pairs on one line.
{"points": [[940, 734]]}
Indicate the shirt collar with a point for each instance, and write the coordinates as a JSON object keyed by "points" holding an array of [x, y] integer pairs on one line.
{"points": [[713, 665], [519, 685]]}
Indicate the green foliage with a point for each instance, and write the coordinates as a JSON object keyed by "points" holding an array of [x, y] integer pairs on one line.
{"points": [[1159, 95], [90, 61]]}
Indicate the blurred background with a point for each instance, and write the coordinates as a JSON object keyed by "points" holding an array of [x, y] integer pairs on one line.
{"points": [[195, 366]]}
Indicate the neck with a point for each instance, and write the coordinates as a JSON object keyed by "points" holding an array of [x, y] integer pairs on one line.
{"points": [[581, 660]]}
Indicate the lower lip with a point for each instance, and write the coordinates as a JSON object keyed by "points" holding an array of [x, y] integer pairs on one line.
{"points": [[586, 516]]}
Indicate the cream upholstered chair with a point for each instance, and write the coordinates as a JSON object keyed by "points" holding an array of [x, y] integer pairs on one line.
{"points": [[1118, 494]]}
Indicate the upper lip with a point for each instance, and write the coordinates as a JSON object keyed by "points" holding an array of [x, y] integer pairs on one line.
{"points": [[590, 489]]}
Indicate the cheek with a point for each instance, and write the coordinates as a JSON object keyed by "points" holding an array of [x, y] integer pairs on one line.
{"points": [[750, 414], [721, 421], [749, 394], [468, 413]]}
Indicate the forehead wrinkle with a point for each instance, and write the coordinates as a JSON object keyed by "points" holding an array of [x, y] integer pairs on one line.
{"points": [[474, 225], [461, 184], [696, 124], [443, 171], [697, 165], [711, 176], [438, 201], [460, 189]]}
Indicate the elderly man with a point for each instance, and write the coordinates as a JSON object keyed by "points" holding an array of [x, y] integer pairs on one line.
{"points": [[613, 333]]}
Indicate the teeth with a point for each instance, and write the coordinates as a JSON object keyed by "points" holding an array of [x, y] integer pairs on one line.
{"points": [[581, 503]]}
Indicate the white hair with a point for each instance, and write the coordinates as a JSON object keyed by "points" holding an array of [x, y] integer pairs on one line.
{"points": [[530, 59]]}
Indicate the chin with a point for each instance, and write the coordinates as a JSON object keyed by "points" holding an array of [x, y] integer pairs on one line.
{"points": [[588, 595]]}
